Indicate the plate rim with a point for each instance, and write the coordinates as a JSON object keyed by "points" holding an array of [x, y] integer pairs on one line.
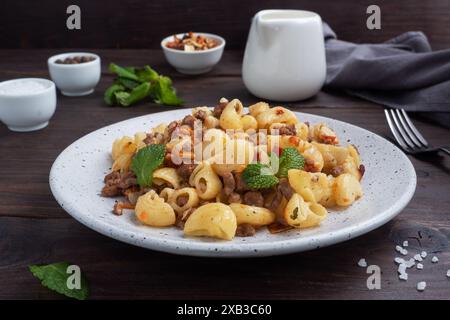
{"points": [[227, 249]]}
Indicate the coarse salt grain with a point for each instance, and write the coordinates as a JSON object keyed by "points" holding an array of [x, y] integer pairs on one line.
{"points": [[362, 263], [410, 263], [398, 248], [423, 254], [399, 260], [421, 285], [404, 252], [22, 86], [434, 259], [403, 276], [401, 268], [418, 257], [419, 266], [448, 273], [405, 243]]}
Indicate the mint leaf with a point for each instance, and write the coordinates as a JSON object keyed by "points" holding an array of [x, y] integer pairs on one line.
{"points": [[290, 159], [146, 74], [54, 276], [110, 93], [138, 93], [163, 92], [123, 72], [146, 161], [259, 176]]}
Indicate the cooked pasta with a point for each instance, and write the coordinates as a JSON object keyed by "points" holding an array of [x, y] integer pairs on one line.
{"points": [[205, 182]]}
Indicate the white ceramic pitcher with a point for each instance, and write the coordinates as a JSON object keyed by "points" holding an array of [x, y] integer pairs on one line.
{"points": [[284, 57]]}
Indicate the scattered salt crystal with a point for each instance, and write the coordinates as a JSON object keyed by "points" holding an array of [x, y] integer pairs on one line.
{"points": [[419, 266], [403, 276], [434, 259], [401, 268], [411, 262], [404, 252], [398, 248], [423, 254], [418, 257], [405, 243], [399, 260], [362, 263], [421, 285], [448, 273]]}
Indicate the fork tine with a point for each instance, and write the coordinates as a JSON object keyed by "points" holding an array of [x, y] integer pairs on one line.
{"points": [[394, 131], [401, 130], [414, 129], [407, 129]]}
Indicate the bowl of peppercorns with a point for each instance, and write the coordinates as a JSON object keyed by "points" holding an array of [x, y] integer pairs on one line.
{"points": [[75, 73]]}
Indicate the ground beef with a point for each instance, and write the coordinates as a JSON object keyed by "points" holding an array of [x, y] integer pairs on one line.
{"points": [[336, 171], [285, 188], [287, 130], [119, 206], [182, 200], [362, 170], [201, 115], [275, 202], [181, 219], [154, 138], [217, 112], [172, 126], [234, 197], [228, 183], [245, 230], [254, 198], [189, 121], [310, 165], [116, 183], [185, 170], [240, 185]]}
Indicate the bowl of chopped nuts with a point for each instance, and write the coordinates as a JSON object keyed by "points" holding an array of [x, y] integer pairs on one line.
{"points": [[75, 73], [193, 53]]}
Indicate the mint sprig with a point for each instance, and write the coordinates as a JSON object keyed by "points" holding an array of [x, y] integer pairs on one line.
{"points": [[290, 159], [54, 276], [132, 85], [147, 160], [261, 176]]}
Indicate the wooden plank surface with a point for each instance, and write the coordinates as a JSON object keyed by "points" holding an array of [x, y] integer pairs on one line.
{"points": [[34, 229], [143, 23]]}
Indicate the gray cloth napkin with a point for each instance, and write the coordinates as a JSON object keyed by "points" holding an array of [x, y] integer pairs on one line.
{"points": [[400, 73]]}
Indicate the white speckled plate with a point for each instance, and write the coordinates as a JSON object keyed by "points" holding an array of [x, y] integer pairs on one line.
{"points": [[76, 179]]}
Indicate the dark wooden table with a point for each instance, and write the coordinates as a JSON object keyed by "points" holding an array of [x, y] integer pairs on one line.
{"points": [[35, 230]]}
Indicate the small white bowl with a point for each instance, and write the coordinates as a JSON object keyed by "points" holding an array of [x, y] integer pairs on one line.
{"points": [[75, 79], [27, 111], [194, 62]]}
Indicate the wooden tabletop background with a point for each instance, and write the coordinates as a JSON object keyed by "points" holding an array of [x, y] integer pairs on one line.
{"points": [[35, 230]]}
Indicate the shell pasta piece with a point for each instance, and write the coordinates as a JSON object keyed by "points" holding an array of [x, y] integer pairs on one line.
{"points": [[256, 216], [206, 182], [301, 214], [184, 199], [212, 220], [153, 211]]}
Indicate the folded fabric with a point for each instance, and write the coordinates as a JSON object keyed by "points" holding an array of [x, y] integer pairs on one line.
{"points": [[401, 73]]}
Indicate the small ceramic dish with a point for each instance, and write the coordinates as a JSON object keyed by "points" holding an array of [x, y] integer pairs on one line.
{"points": [[27, 104], [75, 79], [194, 62]]}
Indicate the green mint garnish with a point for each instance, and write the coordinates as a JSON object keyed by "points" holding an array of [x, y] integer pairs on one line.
{"points": [[147, 160], [55, 276]]}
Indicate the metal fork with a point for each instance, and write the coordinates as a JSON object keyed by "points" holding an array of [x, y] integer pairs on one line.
{"points": [[407, 135]]}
